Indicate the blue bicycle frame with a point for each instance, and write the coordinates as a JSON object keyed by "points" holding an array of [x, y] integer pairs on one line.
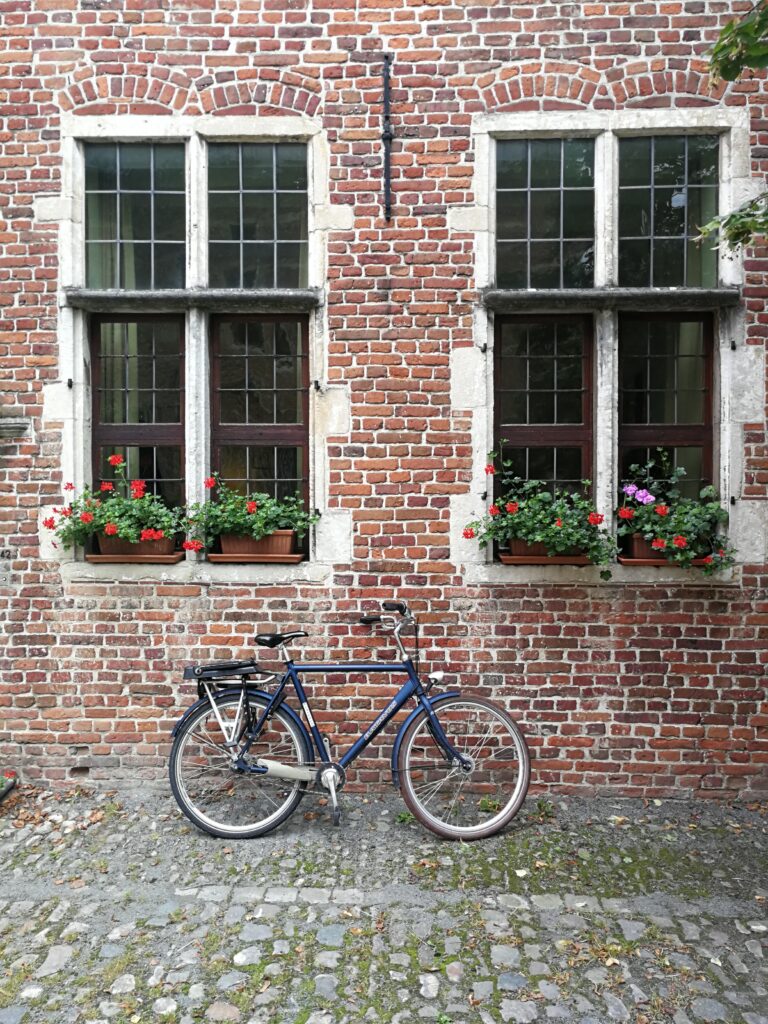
{"points": [[411, 688]]}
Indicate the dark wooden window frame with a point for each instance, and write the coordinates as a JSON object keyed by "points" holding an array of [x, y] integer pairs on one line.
{"points": [[293, 435], [671, 435], [565, 435], [130, 435]]}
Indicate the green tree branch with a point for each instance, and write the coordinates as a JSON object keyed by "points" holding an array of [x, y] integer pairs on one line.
{"points": [[742, 44]]}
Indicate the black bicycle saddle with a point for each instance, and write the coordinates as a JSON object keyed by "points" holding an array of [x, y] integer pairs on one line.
{"points": [[275, 639]]}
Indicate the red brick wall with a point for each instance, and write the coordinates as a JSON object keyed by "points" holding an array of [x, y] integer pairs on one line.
{"points": [[643, 690]]}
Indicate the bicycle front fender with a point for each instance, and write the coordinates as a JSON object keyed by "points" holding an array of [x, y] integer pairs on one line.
{"points": [[285, 708], [432, 701]]}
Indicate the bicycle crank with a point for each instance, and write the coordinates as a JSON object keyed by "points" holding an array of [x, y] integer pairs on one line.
{"points": [[333, 778]]}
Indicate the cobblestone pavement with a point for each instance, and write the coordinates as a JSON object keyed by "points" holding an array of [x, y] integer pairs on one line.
{"points": [[114, 909]]}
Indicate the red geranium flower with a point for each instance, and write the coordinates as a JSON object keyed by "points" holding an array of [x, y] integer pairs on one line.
{"points": [[86, 517], [107, 485], [494, 510], [251, 506], [110, 529], [469, 533], [558, 522], [66, 512], [151, 534], [490, 469], [658, 543], [512, 507], [69, 487], [661, 510], [138, 488], [721, 552], [595, 518], [49, 523], [679, 541], [210, 482], [115, 460], [192, 545], [626, 513], [708, 560]]}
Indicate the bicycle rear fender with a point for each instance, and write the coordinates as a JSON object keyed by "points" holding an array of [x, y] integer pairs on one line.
{"points": [[432, 701], [286, 708]]}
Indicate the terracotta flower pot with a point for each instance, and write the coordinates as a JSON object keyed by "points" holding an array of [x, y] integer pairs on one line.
{"points": [[639, 547], [640, 552], [278, 543], [115, 549], [523, 553], [277, 547]]}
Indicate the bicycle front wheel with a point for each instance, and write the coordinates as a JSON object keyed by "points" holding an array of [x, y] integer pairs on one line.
{"points": [[220, 800], [445, 797]]}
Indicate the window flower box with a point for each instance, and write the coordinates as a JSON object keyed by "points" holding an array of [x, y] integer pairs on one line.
{"points": [[534, 523], [247, 527], [125, 522], [660, 526]]}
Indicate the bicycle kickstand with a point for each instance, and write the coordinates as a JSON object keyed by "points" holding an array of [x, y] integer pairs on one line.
{"points": [[328, 779]]}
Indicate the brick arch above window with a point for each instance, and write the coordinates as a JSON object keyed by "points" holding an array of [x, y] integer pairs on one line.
{"points": [[146, 91], [536, 85], [289, 93], [659, 83]]}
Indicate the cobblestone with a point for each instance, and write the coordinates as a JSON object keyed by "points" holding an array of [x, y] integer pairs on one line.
{"points": [[139, 916]]}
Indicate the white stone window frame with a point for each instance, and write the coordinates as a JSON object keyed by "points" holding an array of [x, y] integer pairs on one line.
{"points": [[739, 369], [68, 401]]}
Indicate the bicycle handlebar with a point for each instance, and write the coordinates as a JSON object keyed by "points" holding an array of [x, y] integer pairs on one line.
{"points": [[369, 620]]}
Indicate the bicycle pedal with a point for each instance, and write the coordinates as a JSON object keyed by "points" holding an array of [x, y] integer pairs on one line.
{"points": [[336, 817]]}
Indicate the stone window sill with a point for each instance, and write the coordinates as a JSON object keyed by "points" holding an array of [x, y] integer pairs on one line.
{"points": [[243, 300], [198, 573], [495, 574], [554, 300]]}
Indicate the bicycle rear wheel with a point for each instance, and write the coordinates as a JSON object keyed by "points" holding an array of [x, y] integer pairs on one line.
{"points": [[224, 802], [443, 796]]}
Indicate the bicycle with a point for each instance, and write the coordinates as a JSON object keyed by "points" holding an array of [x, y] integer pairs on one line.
{"points": [[242, 757]]}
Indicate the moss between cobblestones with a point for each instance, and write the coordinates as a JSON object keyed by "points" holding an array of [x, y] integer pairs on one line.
{"points": [[551, 861], [10, 984]]}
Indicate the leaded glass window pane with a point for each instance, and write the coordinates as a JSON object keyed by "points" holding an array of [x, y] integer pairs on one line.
{"points": [[140, 365], [545, 213], [541, 373], [665, 393], [261, 372], [668, 188], [257, 214], [270, 469], [543, 416], [135, 215], [662, 372]]}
